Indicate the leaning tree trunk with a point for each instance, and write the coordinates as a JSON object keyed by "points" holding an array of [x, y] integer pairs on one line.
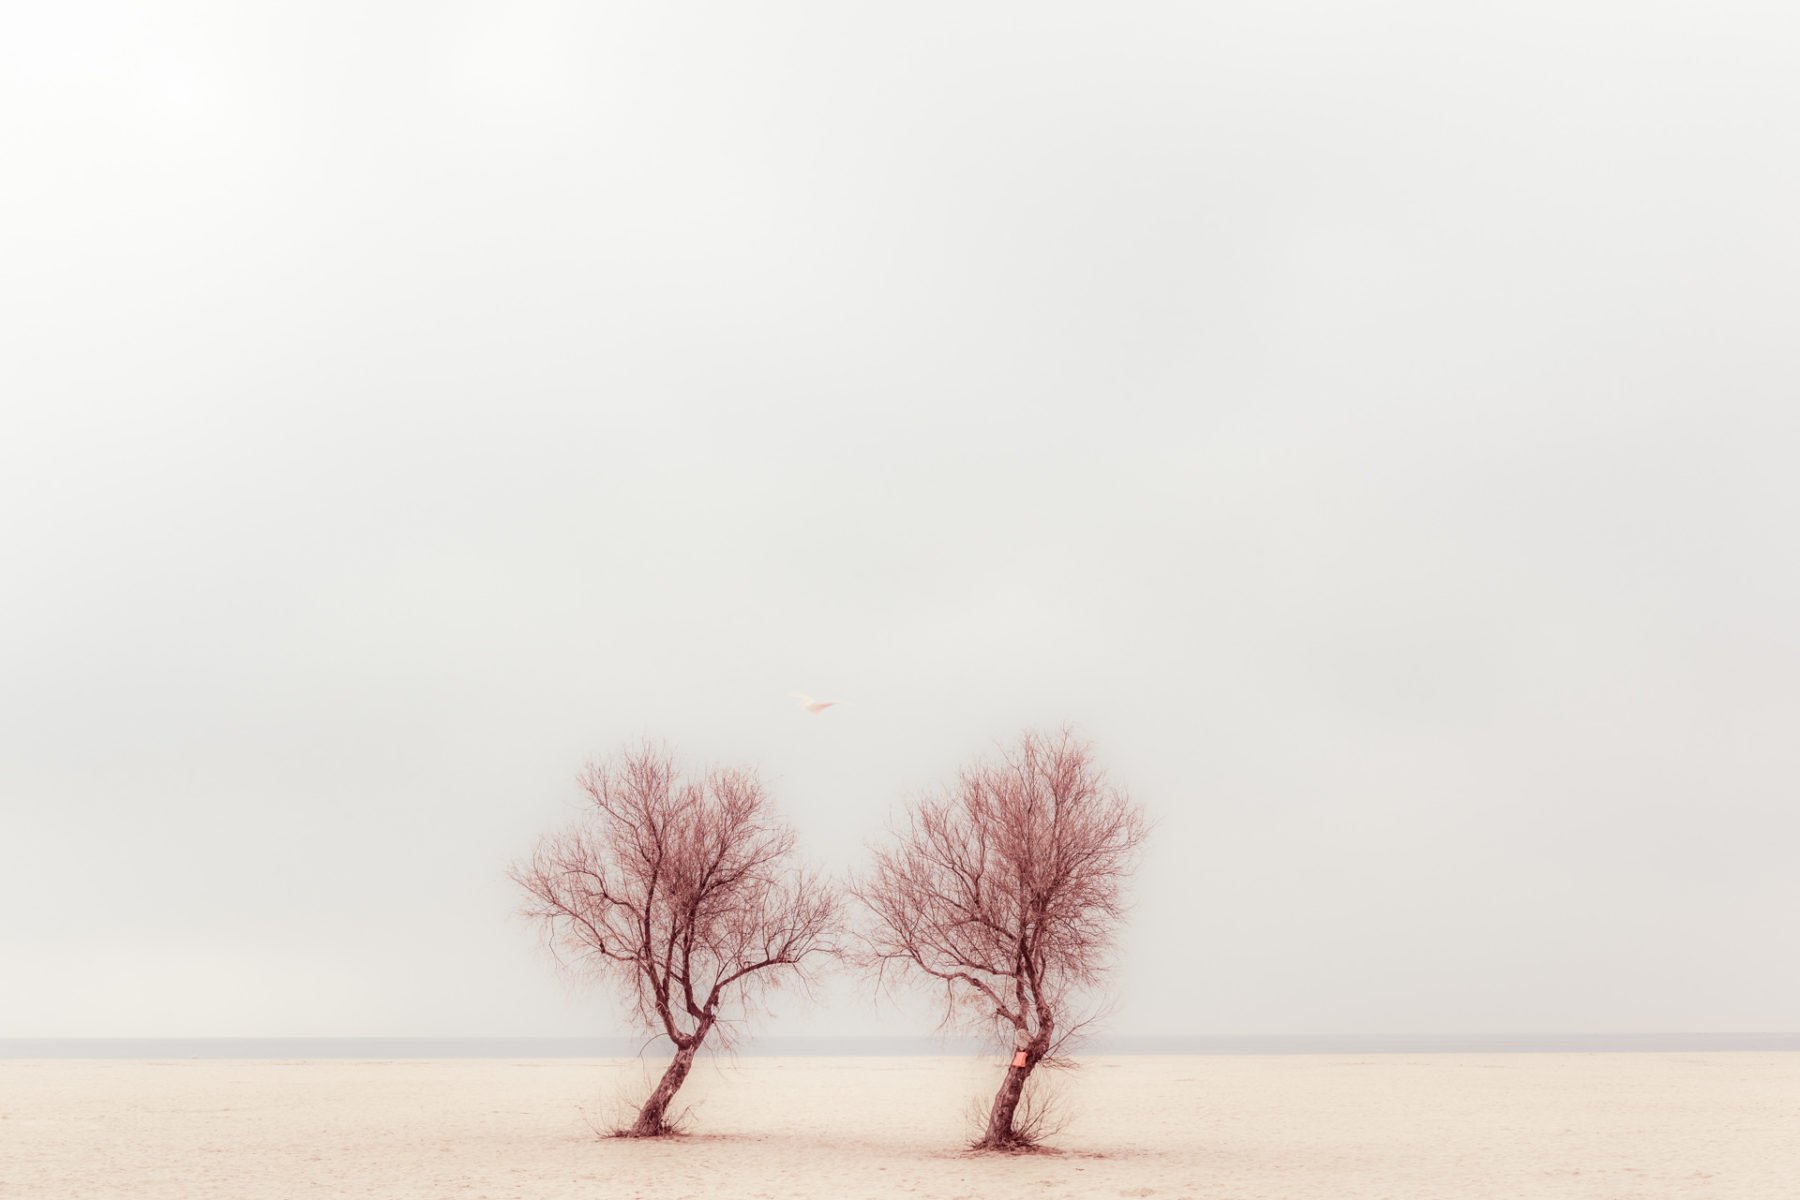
{"points": [[650, 1122], [1000, 1134]]}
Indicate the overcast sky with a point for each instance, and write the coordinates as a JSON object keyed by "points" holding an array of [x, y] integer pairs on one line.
{"points": [[1374, 425]]}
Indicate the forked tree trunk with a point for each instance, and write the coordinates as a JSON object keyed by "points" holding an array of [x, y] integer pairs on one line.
{"points": [[1000, 1134], [650, 1122]]}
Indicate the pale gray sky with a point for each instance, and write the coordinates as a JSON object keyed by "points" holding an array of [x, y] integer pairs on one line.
{"points": [[1374, 424]]}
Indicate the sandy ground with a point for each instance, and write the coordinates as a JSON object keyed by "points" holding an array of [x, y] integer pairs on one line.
{"points": [[1435, 1127]]}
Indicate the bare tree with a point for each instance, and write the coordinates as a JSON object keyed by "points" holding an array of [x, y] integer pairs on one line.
{"points": [[1007, 893], [685, 894]]}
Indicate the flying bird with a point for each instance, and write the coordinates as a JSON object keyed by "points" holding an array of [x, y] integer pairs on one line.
{"points": [[815, 707]]}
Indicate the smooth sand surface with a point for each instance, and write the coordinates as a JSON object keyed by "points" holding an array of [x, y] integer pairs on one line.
{"points": [[1443, 1127]]}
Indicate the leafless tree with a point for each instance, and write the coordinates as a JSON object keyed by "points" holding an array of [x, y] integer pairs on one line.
{"points": [[685, 894], [1007, 893]]}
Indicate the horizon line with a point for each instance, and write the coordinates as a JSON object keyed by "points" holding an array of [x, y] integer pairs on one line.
{"points": [[427, 1047]]}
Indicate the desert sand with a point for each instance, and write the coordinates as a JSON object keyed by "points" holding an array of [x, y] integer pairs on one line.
{"points": [[1443, 1127]]}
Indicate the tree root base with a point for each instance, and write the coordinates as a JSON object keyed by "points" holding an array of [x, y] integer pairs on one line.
{"points": [[661, 1131], [1010, 1146]]}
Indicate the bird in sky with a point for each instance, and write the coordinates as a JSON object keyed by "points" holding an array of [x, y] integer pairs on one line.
{"points": [[815, 707]]}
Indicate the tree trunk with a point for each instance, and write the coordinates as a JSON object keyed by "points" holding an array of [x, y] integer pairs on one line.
{"points": [[649, 1121], [1000, 1134]]}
